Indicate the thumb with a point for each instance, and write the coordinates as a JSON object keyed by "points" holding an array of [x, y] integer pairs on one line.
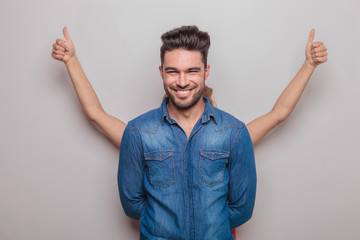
{"points": [[66, 34], [311, 36]]}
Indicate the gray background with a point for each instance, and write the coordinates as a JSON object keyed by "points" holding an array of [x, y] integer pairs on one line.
{"points": [[57, 170]]}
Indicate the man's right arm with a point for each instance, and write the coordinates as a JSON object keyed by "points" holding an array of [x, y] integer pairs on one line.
{"points": [[130, 176], [112, 127]]}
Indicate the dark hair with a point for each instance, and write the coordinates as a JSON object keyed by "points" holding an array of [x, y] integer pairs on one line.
{"points": [[189, 38]]}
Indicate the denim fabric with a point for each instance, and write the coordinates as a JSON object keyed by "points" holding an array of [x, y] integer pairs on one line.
{"points": [[178, 187]]}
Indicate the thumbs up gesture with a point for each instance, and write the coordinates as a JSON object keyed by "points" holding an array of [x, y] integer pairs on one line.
{"points": [[316, 52], [63, 50]]}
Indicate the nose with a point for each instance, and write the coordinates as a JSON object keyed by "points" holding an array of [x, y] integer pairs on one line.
{"points": [[183, 80]]}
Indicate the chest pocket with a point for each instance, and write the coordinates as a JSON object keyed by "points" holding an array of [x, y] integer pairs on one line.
{"points": [[160, 168], [212, 166]]}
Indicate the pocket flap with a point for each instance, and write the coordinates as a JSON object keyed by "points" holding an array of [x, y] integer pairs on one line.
{"points": [[214, 154], [158, 156]]}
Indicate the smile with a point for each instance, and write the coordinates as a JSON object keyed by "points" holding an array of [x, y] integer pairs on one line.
{"points": [[183, 93]]}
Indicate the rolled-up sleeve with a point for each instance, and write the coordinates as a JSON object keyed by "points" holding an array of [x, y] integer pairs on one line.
{"points": [[130, 176], [242, 184]]}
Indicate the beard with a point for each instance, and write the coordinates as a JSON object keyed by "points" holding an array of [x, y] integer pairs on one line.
{"points": [[184, 105]]}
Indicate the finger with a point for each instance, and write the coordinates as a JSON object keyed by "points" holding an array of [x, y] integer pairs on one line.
{"points": [[57, 52], [58, 57], [317, 44], [321, 59], [66, 34], [62, 43], [319, 49], [311, 36], [58, 47], [320, 54]]}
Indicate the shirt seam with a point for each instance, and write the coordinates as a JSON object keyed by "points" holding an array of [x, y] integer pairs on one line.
{"points": [[153, 131]]}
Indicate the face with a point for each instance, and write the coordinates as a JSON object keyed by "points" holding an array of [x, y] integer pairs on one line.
{"points": [[184, 74]]}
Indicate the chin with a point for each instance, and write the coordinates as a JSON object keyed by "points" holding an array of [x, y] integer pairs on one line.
{"points": [[185, 103]]}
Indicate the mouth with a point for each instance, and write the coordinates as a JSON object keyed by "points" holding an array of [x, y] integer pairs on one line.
{"points": [[182, 93]]}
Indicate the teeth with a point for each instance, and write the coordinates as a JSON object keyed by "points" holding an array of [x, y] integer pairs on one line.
{"points": [[183, 92]]}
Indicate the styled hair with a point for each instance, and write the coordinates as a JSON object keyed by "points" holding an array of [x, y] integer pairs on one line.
{"points": [[189, 38]]}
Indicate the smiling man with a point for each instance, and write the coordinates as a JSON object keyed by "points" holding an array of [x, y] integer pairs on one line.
{"points": [[184, 74], [186, 169]]}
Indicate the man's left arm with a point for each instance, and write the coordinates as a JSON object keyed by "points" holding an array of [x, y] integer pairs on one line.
{"points": [[316, 54], [242, 183]]}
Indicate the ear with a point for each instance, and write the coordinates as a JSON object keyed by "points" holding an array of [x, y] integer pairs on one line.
{"points": [[161, 72], [207, 71]]}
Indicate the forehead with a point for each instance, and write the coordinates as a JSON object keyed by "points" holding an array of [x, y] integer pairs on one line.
{"points": [[182, 58]]}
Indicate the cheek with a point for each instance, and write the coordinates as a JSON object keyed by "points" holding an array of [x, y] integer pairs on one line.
{"points": [[170, 77], [168, 81], [199, 79]]}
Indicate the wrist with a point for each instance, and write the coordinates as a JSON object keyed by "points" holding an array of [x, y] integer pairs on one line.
{"points": [[70, 61], [310, 65]]}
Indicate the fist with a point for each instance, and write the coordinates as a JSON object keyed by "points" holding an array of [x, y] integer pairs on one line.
{"points": [[316, 52], [63, 50]]}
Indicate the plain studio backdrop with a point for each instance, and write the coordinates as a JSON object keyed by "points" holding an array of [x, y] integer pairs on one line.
{"points": [[58, 173]]}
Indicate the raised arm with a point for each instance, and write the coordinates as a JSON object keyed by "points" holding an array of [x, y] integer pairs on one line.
{"points": [[316, 53], [112, 127]]}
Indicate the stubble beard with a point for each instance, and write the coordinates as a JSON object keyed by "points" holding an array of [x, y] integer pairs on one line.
{"points": [[185, 105]]}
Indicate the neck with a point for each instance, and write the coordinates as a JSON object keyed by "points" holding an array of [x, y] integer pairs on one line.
{"points": [[186, 116]]}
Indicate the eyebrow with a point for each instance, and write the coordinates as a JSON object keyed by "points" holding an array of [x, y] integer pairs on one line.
{"points": [[194, 69], [170, 68], [190, 69]]}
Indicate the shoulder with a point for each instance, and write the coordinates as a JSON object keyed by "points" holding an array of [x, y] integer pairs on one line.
{"points": [[148, 121], [226, 120]]}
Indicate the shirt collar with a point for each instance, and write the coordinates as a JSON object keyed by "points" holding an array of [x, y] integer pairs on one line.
{"points": [[208, 113]]}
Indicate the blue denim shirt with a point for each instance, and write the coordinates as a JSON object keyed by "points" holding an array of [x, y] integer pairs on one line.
{"points": [[180, 188]]}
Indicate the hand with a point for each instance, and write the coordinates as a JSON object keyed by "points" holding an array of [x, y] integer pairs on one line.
{"points": [[315, 51], [63, 50]]}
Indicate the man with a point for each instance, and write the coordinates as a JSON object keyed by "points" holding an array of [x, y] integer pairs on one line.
{"points": [[186, 169], [113, 128]]}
